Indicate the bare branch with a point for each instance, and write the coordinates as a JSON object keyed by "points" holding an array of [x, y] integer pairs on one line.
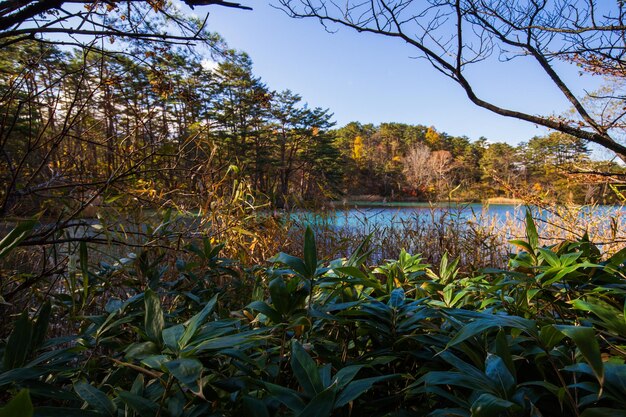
{"points": [[444, 31]]}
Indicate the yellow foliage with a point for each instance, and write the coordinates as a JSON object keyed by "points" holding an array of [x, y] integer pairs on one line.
{"points": [[432, 136], [357, 149], [145, 188]]}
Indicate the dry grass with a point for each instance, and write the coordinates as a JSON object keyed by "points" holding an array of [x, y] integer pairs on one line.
{"points": [[477, 238], [503, 200]]}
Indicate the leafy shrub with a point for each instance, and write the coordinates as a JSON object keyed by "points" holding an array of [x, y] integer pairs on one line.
{"points": [[546, 336]]}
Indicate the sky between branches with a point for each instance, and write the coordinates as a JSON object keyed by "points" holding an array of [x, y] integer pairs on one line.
{"points": [[371, 79]]}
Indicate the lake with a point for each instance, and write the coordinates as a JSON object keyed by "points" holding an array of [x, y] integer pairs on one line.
{"points": [[372, 215], [475, 233]]}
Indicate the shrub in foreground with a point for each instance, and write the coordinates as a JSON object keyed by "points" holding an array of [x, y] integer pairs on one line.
{"points": [[544, 337]]}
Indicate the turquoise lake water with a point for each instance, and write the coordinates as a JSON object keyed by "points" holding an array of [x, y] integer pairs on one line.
{"points": [[367, 215]]}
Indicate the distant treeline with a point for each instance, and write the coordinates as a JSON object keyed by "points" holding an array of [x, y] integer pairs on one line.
{"points": [[167, 126], [404, 161]]}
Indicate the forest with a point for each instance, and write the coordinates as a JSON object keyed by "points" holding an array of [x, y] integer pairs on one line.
{"points": [[169, 245], [164, 126]]}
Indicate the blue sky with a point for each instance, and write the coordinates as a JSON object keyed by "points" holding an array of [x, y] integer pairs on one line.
{"points": [[371, 79]]}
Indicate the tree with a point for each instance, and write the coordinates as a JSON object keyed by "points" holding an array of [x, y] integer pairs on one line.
{"points": [[433, 138], [442, 165], [303, 147], [79, 126], [240, 106], [499, 162], [417, 169], [554, 153], [321, 170], [429, 172], [454, 34], [357, 149], [287, 118]]}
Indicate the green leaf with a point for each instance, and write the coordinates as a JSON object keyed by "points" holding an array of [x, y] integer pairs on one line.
{"points": [[550, 336], [532, 293], [19, 406], [321, 405], [324, 372], [223, 342], [614, 262], [142, 406], [305, 370], [15, 236], [172, 336], [550, 257], [141, 350], [479, 326], [51, 390], [450, 412], [396, 300], [352, 271], [20, 374], [196, 321], [310, 252], [263, 308], [96, 399], [255, 407], [523, 245], [19, 343], [345, 375], [531, 231], [41, 326], [280, 295], [544, 385], [611, 318], [497, 371], [154, 321], [488, 405], [615, 375], [138, 385], [288, 397], [176, 405], [187, 371], [562, 272], [356, 388], [155, 361], [292, 262], [587, 343], [459, 379], [503, 351], [359, 255], [480, 380], [569, 258]]}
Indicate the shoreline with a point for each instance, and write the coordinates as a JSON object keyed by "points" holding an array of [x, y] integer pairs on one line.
{"points": [[380, 201]]}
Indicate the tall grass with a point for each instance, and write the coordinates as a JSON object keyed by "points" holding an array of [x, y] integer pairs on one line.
{"points": [[126, 248], [477, 238]]}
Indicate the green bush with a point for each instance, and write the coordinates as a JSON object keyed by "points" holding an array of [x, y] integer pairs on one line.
{"points": [[545, 337]]}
